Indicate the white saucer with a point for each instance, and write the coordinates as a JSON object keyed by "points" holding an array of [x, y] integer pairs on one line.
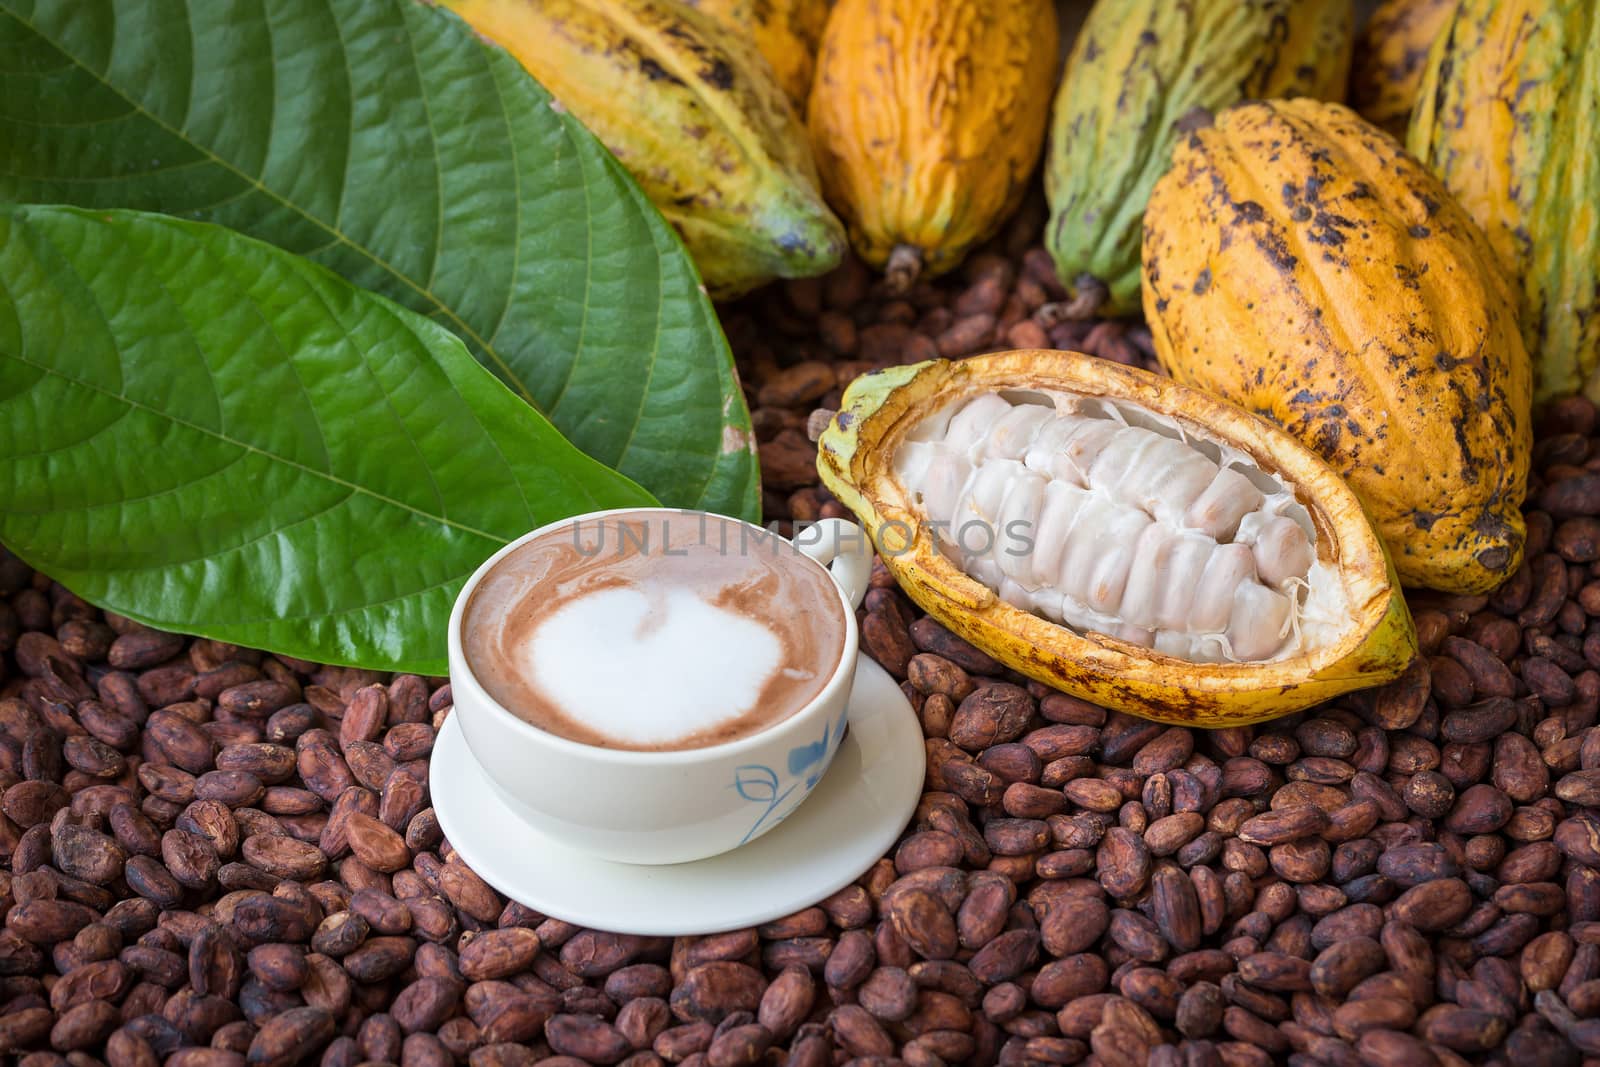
{"points": [[851, 818]]}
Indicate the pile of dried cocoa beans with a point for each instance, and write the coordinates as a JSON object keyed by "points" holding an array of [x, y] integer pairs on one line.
{"points": [[217, 857]]}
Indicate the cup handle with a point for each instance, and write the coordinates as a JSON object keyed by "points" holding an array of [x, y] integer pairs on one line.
{"points": [[851, 566]]}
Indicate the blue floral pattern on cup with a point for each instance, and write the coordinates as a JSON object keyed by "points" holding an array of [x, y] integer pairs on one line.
{"points": [[760, 784]]}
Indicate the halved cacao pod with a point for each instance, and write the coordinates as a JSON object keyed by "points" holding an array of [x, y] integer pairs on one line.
{"points": [[1300, 263], [1507, 114], [1353, 629]]}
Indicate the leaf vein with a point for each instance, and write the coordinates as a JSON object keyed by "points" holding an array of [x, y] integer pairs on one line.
{"points": [[434, 253], [516, 201], [264, 453], [655, 352], [121, 501], [588, 279]]}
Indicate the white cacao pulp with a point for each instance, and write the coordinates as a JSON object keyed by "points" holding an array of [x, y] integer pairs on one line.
{"points": [[1108, 518]]}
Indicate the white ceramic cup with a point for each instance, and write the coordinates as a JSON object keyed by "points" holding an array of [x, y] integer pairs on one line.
{"points": [[673, 806]]}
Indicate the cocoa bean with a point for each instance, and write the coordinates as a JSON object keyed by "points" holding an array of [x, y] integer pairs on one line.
{"points": [[425, 1003], [1165, 752], [888, 643], [321, 767], [1434, 905], [1490, 676], [375, 844], [1429, 794], [1005, 956], [1252, 1030], [983, 913], [1175, 908], [1062, 981], [105, 980], [216, 966], [1171, 833], [212, 821], [87, 854], [924, 922], [889, 994], [930, 848], [283, 856], [1093, 794], [469, 892], [711, 991], [141, 649], [642, 1019], [1124, 862], [930, 637], [1398, 705], [1545, 960], [518, 1017], [499, 953], [21, 1028], [1284, 825], [1070, 929], [378, 958], [1414, 864], [289, 1036], [786, 1002], [45, 921], [930, 673]]}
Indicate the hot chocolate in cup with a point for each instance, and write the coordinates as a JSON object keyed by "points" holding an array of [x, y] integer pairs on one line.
{"points": [[657, 685]]}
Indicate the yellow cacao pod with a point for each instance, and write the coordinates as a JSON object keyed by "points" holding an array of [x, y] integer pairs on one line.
{"points": [[786, 32], [1391, 55], [1137, 68], [1119, 536], [1509, 116], [696, 116], [927, 117], [1300, 263]]}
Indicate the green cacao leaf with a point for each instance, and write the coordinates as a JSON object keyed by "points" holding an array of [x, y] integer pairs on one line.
{"points": [[205, 433], [383, 139]]}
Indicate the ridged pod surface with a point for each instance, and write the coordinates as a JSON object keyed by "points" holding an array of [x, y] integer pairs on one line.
{"points": [[787, 32], [887, 415], [1509, 116], [695, 115], [1391, 55], [1300, 263], [1137, 68], [927, 118]]}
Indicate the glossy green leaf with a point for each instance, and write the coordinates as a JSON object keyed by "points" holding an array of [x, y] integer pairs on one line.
{"points": [[205, 433], [383, 139]]}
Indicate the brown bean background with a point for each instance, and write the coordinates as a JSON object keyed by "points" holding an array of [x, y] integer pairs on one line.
{"points": [[215, 856]]}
